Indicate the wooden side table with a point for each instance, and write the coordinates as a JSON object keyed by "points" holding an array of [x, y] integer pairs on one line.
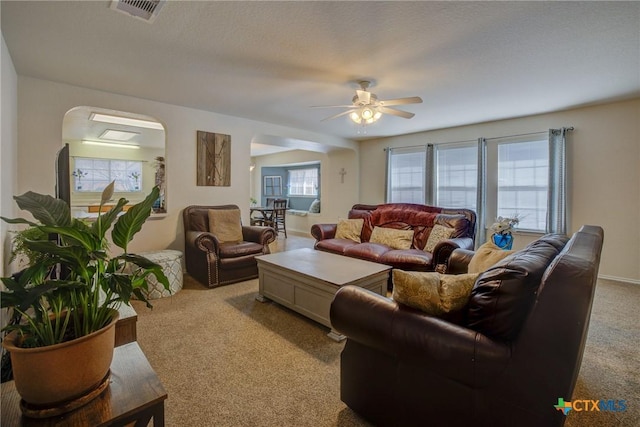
{"points": [[135, 395], [126, 330]]}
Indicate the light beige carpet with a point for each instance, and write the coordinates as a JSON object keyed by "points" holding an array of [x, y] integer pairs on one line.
{"points": [[226, 359]]}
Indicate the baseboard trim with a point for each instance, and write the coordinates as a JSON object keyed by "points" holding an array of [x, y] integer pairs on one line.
{"points": [[300, 233], [619, 279]]}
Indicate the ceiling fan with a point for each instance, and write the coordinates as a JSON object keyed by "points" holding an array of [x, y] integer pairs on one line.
{"points": [[367, 108]]}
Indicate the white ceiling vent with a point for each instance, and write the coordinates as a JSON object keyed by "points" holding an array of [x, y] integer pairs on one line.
{"points": [[147, 10]]}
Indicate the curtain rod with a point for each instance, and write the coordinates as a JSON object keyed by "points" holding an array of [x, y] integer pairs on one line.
{"points": [[475, 140], [528, 134]]}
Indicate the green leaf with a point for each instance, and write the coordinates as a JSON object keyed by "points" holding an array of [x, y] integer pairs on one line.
{"points": [[77, 236], [75, 255], [131, 222], [37, 273], [46, 209], [23, 298], [149, 266], [18, 221], [104, 221]]}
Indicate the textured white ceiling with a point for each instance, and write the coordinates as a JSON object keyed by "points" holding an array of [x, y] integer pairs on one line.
{"points": [[269, 61]]}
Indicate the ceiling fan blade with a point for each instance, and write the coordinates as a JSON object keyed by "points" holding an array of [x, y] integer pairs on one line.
{"points": [[332, 106], [344, 113], [394, 112], [364, 96], [402, 101]]}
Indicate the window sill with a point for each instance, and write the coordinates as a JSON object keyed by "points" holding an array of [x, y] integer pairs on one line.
{"points": [[533, 233]]}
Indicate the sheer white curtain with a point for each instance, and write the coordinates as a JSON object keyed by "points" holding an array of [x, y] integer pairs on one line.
{"points": [[557, 201], [481, 203]]}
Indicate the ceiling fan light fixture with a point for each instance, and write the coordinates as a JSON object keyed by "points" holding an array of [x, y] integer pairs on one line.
{"points": [[365, 115], [366, 108]]}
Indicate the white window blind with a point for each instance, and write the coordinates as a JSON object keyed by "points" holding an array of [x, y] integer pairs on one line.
{"points": [[93, 175], [523, 182], [457, 175], [303, 182], [406, 175]]}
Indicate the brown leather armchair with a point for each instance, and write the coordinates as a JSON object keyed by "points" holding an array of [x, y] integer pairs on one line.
{"points": [[515, 351], [215, 264]]}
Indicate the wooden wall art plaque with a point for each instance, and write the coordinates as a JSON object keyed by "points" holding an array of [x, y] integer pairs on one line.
{"points": [[214, 159]]}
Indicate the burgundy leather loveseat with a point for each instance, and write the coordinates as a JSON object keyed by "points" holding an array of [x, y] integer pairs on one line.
{"points": [[401, 216], [516, 350]]}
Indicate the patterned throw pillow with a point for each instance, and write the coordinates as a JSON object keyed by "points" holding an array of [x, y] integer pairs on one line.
{"points": [[438, 233], [395, 239], [315, 206], [486, 256], [225, 225], [433, 293], [349, 229]]}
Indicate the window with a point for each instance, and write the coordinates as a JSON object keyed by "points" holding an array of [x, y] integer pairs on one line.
{"points": [[93, 175], [523, 175], [523, 182], [272, 186], [406, 175], [303, 182], [457, 175]]}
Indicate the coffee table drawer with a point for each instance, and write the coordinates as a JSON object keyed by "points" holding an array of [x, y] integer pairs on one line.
{"points": [[313, 304], [277, 287]]}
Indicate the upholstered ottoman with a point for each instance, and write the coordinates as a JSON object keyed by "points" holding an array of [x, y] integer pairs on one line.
{"points": [[171, 262]]}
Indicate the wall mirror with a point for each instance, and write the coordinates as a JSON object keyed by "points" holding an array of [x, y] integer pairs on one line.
{"points": [[107, 145]]}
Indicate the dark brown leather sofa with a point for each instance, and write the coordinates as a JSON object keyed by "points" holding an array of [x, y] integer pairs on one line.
{"points": [[213, 263], [517, 349], [403, 216]]}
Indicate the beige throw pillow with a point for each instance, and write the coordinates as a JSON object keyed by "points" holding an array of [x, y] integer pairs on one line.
{"points": [[486, 256], [433, 293], [225, 225], [395, 239], [438, 233], [349, 229]]}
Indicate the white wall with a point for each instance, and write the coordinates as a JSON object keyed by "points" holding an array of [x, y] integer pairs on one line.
{"points": [[336, 196], [41, 109], [603, 173], [8, 149], [604, 155]]}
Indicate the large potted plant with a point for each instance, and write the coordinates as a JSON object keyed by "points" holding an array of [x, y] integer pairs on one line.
{"points": [[63, 308]]}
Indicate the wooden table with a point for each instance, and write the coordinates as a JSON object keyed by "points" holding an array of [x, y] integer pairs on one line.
{"points": [[134, 395], [267, 213], [306, 280], [126, 330]]}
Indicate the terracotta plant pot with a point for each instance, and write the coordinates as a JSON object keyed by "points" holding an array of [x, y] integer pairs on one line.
{"points": [[52, 375]]}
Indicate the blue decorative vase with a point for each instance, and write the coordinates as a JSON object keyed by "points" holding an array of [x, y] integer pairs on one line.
{"points": [[503, 241]]}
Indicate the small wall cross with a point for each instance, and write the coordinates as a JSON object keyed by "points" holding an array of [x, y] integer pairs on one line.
{"points": [[342, 174]]}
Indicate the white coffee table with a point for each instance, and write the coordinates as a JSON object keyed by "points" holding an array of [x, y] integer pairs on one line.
{"points": [[306, 280]]}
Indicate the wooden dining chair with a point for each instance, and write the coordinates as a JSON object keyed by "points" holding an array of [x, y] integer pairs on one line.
{"points": [[280, 216]]}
